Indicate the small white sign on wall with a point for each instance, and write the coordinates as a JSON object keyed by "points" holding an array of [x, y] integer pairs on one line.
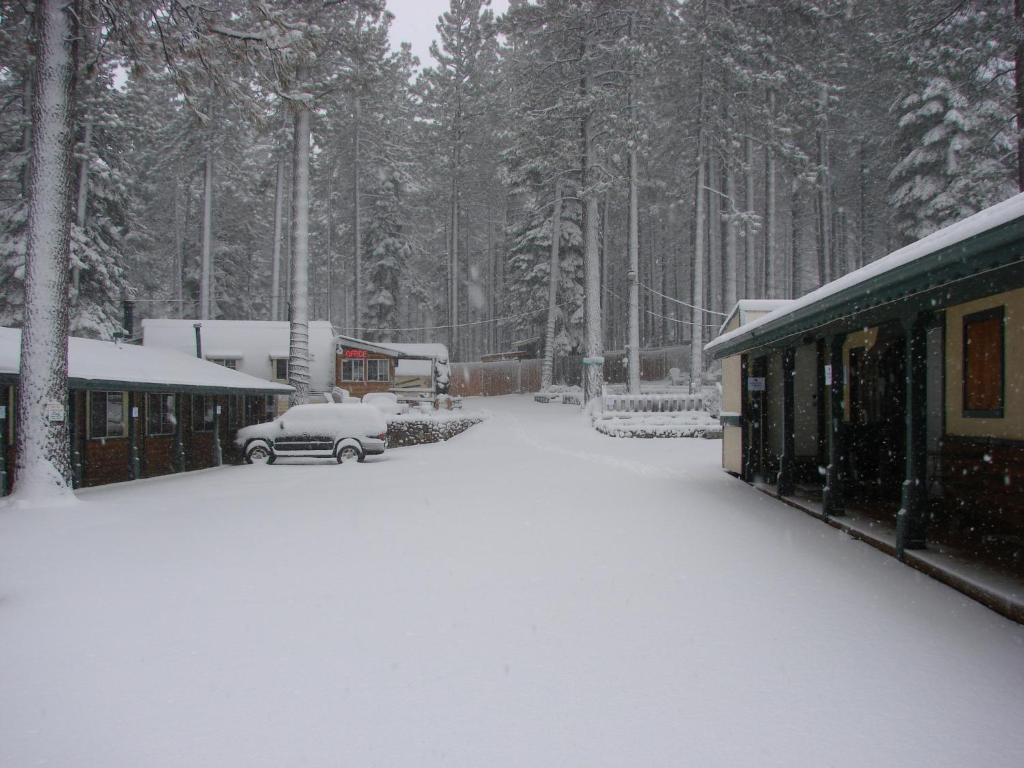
{"points": [[218, 410], [54, 412], [828, 375], [755, 383], [135, 411]]}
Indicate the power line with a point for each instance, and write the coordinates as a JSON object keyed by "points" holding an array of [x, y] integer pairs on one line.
{"points": [[677, 301], [457, 325], [664, 316]]}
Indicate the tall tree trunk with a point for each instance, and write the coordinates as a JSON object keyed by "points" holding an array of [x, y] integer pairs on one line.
{"points": [[594, 370], [298, 347], [549, 334], [179, 251], [492, 277], [43, 464], [85, 90], [770, 279], [329, 240], [824, 193], [26, 107], [749, 289], [82, 204], [206, 265], [697, 316], [731, 244], [1018, 71], [275, 268], [453, 271], [606, 267], [714, 232], [796, 260], [357, 233], [633, 249], [862, 230]]}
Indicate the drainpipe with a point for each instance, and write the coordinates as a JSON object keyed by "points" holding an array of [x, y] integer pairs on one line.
{"points": [[199, 339]]}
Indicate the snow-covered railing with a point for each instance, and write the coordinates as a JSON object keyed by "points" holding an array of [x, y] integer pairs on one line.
{"points": [[653, 403]]}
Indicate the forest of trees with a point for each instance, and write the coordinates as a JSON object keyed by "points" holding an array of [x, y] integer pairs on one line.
{"points": [[729, 149]]}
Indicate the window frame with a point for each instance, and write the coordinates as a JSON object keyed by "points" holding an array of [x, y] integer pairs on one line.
{"points": [[228, 362], [157, 397], [998, 312], [125, 415], [204, 401], [273, 368], [353, 360], [387, 369]]}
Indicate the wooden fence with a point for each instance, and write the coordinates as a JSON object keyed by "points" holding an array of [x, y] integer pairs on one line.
{"points": [[509, 377]]}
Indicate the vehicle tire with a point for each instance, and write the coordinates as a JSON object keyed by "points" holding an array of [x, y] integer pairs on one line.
{"points": [[347, 453], [259, 454]]}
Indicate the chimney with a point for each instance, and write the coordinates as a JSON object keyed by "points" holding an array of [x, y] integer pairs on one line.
{"points": [[199, 339]]}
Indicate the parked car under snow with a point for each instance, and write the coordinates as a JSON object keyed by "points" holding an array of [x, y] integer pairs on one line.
{"points": [[385, 402], [338, 431]]}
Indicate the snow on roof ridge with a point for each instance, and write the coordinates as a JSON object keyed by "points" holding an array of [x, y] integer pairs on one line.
{"points": [[95, 360], [982, 221]]}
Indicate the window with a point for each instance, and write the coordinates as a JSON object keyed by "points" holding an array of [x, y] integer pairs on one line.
{"points": [[353, 370], [160, 418], [203, 413], [280, 365], [983, 364], [378, 370], [108, 414], [226, 362]]}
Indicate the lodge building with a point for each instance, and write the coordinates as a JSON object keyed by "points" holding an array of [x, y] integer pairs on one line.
{"points": [[137, 412], [891, 403]]}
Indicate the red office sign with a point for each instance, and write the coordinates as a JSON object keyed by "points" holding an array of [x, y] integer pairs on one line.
{"points": [[351, 353]]}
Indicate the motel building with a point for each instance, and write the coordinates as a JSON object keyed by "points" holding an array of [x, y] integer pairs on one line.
{"points": [[890, 403], [137, 412], [260, 348]]}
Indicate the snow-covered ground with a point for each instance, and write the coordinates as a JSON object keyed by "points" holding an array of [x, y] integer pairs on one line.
{"points": [[530, 593]]}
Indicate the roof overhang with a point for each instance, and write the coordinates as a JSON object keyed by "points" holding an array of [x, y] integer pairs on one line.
{"points": [[989, 262], [114, 385]]}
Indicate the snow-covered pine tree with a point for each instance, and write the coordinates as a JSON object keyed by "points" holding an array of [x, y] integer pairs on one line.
{"points": [[955, 119]]}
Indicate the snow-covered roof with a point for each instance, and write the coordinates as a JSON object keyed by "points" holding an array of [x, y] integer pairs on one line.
{"points": [[852, 285], [745, 307], [252, 343], [102, 363], [437, 351]]}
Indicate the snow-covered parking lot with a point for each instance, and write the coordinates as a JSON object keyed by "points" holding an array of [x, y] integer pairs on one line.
{"points": [[531, 593]]}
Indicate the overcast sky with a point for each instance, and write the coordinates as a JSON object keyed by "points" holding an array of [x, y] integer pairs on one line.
{"points": [[415, 22]]}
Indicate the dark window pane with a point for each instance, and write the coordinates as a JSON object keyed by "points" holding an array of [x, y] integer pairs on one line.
{"points": [[115, 422], [983, 363], [97, 414]]}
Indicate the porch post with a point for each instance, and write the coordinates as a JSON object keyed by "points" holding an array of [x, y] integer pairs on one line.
{"points": [[911, 520], [218, 456], [4, 409], [179, 427], [746, 466], [76, 439], [133, 436], [787, 465], [833, 501]]}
